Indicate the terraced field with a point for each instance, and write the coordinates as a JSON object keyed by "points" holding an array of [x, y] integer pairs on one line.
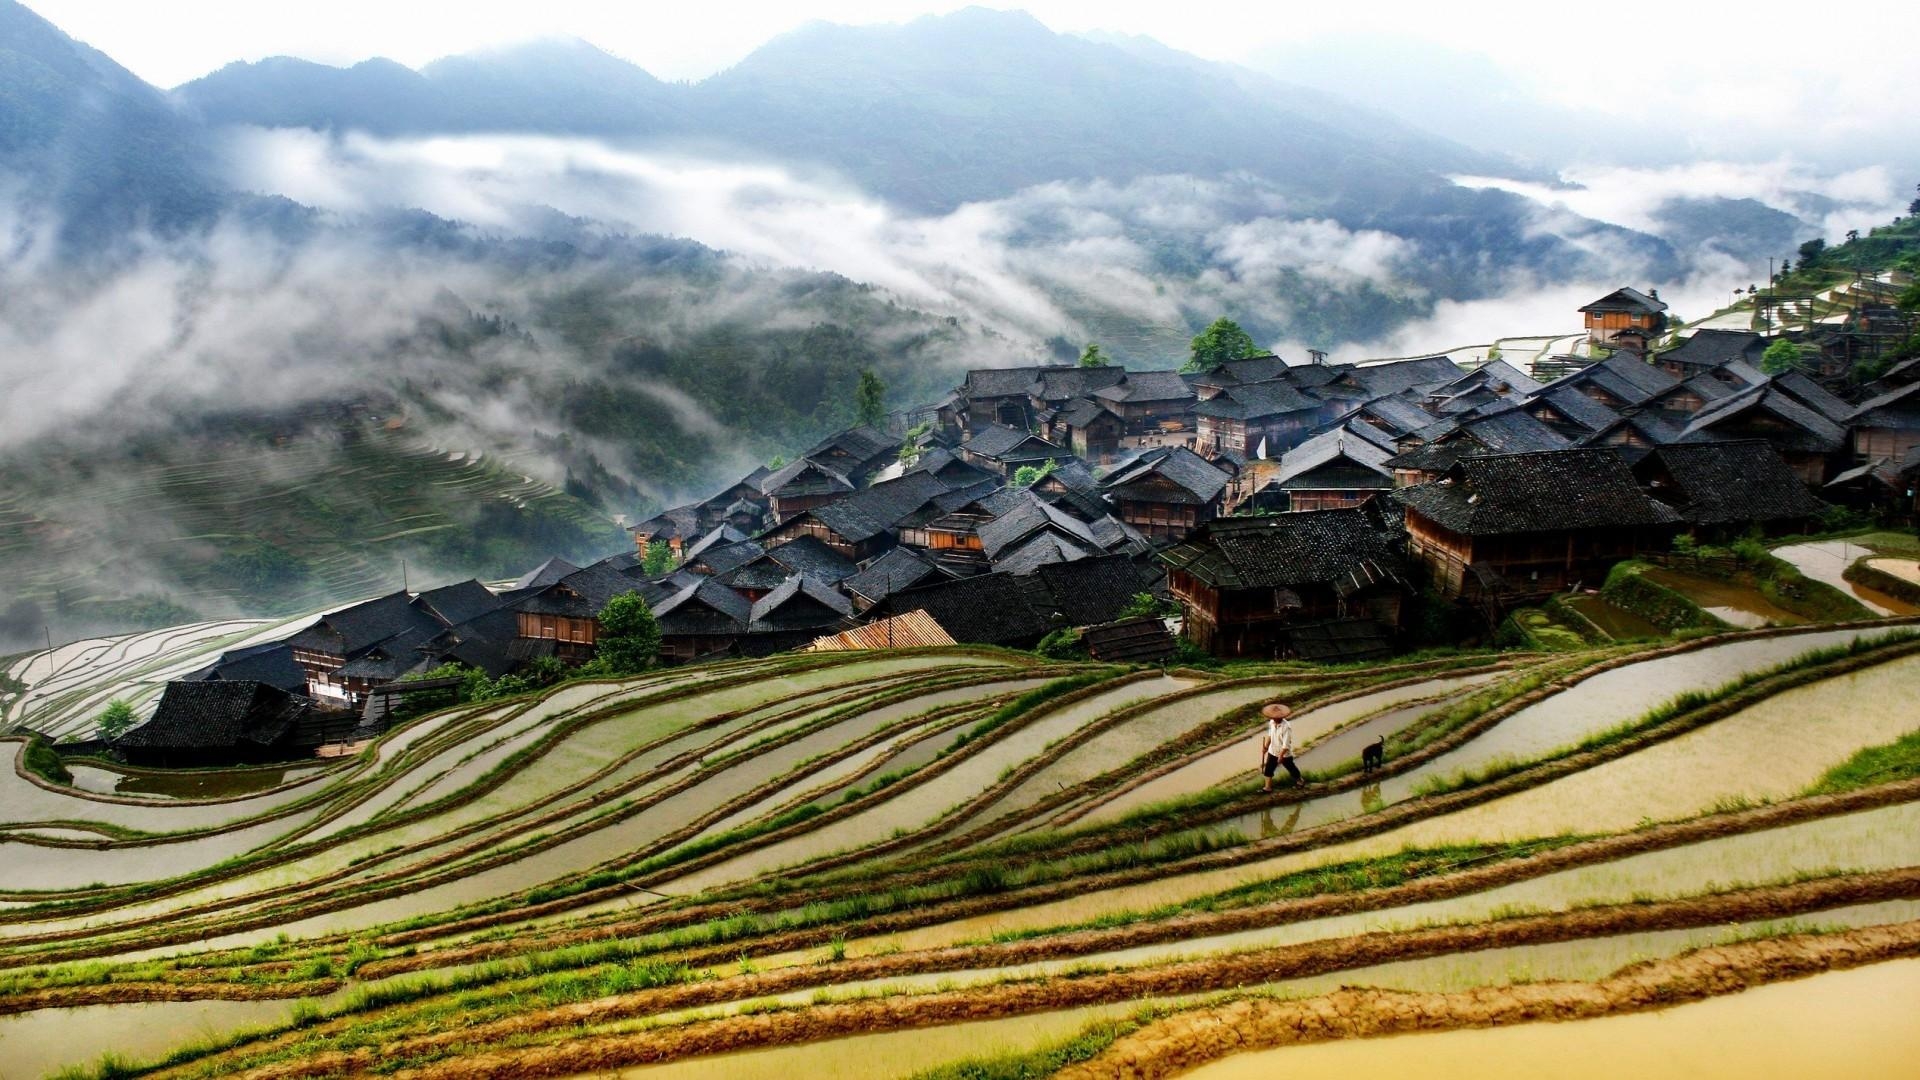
{"points": [[976, 863]]}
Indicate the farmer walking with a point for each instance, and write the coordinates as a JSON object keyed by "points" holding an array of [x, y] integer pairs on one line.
{"points": [[1276, 745]]}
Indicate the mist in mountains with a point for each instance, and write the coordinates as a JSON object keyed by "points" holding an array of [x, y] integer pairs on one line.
{"points": [[632, 290]]}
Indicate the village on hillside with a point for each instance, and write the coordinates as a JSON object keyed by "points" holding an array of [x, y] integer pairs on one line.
{"points": [[1252, 508]]}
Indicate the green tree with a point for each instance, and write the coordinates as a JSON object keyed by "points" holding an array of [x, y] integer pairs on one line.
{"points": [[1218, 343], [1094, 356], [629, 638], [870, 400], [1811, 251], [116, 720], [1781, 357], [1027, 475], [658, 559]]}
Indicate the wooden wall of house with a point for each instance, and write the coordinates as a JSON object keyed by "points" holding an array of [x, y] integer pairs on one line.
{"points": [[1870, 443], [1248, 622], [563, 628], [1327, 498]]}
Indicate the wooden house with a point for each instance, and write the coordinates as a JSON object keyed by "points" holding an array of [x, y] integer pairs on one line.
{"points": [[1004, 450], [1342, 467], [996, 396], [781, 562], [1167, 492], [216, 723], [856, 453], [1090, 428], [1508, 527], [1624, 309], [563, 619], [867, 523], [801, 486], [1246, 584], [793, 615], [704, 618], [897, 571], [676, 527], [1809, 442], [1706, 350], [1256, 419], [383, 632], [1149, 402], [1247, 370], [1722, 489], [1886, 426]]}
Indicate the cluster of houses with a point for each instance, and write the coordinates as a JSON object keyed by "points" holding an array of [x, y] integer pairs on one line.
{"points": [[1288, 509]]}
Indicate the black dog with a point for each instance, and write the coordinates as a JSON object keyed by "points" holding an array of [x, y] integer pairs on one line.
{"points": [[1374, 755]]}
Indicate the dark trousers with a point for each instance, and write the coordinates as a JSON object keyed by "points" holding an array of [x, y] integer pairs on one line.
{"points": [[1292, 769]]}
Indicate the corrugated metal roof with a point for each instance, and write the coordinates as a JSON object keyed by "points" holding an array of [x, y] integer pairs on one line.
{"points": [[915, 629]]}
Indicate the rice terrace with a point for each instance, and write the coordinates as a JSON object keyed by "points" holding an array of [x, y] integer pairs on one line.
{"points": [[977, 862]]}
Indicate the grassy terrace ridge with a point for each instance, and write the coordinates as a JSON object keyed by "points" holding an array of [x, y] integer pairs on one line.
{"points": [[585, 812]]}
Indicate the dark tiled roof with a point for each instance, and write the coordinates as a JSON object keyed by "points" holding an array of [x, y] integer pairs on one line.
{"points": [[703, 609], [1284, 550], [1030, 514], [729, 557], [1057, 384], [804, 477], [1712, 348], [1727, 482], [1495, 373], [1252, 369], [457, 603], [484, 642], [1511, 431], [1083, 411], [998, 382], [1142, 640], [1898, 405], [271, 663], [1587, 488], [1097, 590], [987, 609], [998, 440], [1577, 407], [900, 568], [1072, 476], [351, 631], [217, 715], [579, 595], [1395, 376], [1364, 458], [1815, 397], [1626, 377], [723, 536], [546, 573], [807, 555], [1808, 430], [955, 473], [1041, 549], [801, 603], [1627, 299], [1400, 415], [1186, 470], [677, 523], [1256, 400], [869, 513], [1148, 386], [865, 445]]}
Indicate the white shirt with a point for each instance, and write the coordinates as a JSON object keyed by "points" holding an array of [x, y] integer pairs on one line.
{"points": [[1279, 738]]}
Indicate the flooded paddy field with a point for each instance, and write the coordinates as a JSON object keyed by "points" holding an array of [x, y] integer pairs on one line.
{"points": [[766, 866]]}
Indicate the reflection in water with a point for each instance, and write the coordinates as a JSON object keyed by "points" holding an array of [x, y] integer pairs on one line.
{"points": [[1370, 800], [1268, 829]]}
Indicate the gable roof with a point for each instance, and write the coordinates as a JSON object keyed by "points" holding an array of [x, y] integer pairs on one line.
{"points": [[458, 602], [1899, 404], [722, 536], [1028, 515], [869, 513], [1096, 590], [352, 630], [1509, 431], [1712, 348], [704, 608], [804, 477], [1057, 384], [1043, 548], [1254, 401], [1810, 432], [579, 595], [1081, 412], [1330, 447], [546, 573], [986, 609], [271, 663], [1624, 376], [1578, 408], [217, 715], [674, 523], [1199, 479], [1140, 386], [1495, 373], [1627, 299], [862, 444], [900, 568], [1814, 396], [800, 602], [1395, 376], [1550, 491], [998, 382], [1285, 550], [1398, 414], [1725, 482], [1251, 369], [997, 441]]}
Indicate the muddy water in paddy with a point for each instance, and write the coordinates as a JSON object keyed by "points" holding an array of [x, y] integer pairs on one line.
{"points": [[1237, 759], [1827, 561], [1738, 756], [224, 784], [1855, 1023], [36, 1044], [1616, 622], [1734, 604], [1593, 705], [920, 805]]}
